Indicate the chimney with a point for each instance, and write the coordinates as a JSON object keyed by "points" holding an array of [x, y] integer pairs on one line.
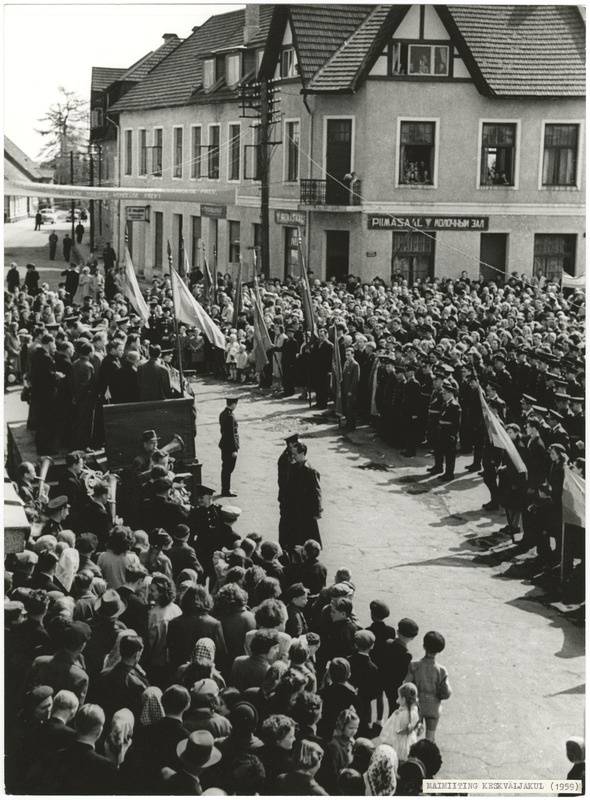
{"points": [[167, 36], [251, 22]]}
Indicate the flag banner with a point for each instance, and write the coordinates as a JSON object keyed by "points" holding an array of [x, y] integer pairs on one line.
{"points": [[132, 290], [207, 281], [499, 436], [573, 500], [238, 304], [569, 282], [262, 340], [183, 262], [337, 368], [308, 313], [189, 310]]}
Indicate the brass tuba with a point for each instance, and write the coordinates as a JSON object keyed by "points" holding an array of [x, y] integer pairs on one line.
{"points": [[43, 464], [174, 446]]}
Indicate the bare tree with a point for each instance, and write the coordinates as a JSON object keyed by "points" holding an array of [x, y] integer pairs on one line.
{"points": [[65, 129]]}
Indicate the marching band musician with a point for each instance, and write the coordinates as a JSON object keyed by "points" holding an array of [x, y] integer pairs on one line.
{"points": [[25, 484], [143, 462]]}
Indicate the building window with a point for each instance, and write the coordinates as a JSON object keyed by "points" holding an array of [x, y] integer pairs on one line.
{"points": [[412, 256], [234, 153], [555, 253], [177, 171], [196, 152], [498, 153], [142, 152], [214, 151], [208, 73], [234, 242], [128, 152], [417, 153], [292, 151], [157, 152], [420, 59], [232, 70], [560, 155], [288, 63], [96, 118]]}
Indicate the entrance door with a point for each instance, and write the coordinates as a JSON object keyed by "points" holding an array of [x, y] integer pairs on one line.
{"points": [[492, 255], [338, 160], [337, 254]]}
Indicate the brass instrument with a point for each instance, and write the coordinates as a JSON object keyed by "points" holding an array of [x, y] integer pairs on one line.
{"points": [[43, 464], [91, 477], [174, 446]]}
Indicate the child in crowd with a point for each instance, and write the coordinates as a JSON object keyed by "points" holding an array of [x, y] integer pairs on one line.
{"points": [[431, 680], [404, 727]]}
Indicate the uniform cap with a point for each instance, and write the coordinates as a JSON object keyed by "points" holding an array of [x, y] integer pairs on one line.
{"points": [[201, 490], [229, 400], [57, 502], [294, 437], [555, 414]]}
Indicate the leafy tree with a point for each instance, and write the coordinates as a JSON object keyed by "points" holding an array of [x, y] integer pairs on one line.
{"points": [[65, 129]]}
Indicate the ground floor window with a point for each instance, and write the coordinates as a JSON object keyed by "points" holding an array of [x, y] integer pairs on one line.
{"points": [[555, 253], [412, 256], [291, 251]]}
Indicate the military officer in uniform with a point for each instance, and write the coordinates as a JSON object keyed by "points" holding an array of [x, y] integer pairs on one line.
{"points": [[56, 511], [445, 451], [305, 498], [285, 469], [229, 444], [435, 405], [555, 433], [209, 530]]}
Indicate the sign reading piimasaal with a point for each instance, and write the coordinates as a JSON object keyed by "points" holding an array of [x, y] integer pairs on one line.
{"points": [[394, 222]]}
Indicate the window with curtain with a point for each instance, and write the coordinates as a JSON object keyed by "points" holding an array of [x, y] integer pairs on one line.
{"points": [[157, 152], [555, 253], [560, 155], [143, 152], [128, 152], [417, 141], [214, 151], [234, 153], [498, 154], [292, 151], [178, 152]]}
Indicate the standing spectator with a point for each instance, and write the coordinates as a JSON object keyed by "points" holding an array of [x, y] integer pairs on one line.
{"points": [[67, 247], [397, 659], [53, 240], [13, 277], [79, 230], [32, 279], [305, 498], [350, 383], [38, 220], [404, 727], [65, 669], [109, 257], [163, 609], [431, 680], [236, 620], [118, 556], [364, 676], [72, 279]]}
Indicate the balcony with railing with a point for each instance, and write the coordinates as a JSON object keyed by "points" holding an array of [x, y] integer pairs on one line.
{"points": [[330, 192]]}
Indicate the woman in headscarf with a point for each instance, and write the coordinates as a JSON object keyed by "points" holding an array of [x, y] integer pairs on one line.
{"points": [[114, 656], [381, 777], [69, 558], [119, 738], [151, 706], [201, 664]]}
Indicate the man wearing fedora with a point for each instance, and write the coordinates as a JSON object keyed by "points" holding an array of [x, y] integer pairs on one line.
{"points": [[142, 463], [229, 444], [104, 626], [285, 470], [195, 755]]}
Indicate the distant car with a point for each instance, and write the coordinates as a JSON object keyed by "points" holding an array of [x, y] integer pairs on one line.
{"points": [[76, 215], [48, 215]]}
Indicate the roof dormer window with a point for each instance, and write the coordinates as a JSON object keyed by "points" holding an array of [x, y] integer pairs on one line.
{"points": [[208, 72], [233, 69], [288, 63], [420, 59]]}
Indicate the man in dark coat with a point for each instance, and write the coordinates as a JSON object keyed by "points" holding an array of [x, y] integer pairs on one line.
{"points": [[109, 257], [67, 247], [79, 232], [160, 511], [72, 279], [65, 669], [209, 530], [123, 685], [445, 451], [135, 615], [396, 660], [109, 371], [44, 379], [351, 373], [32, 279], [71, 483], [305, 498], [229, 444], [181, 554], [153, 378], [411, 400], [128, 378], [285, 468], [323, 356], [13, 277], [290, 351], [53, 240], [38, 220]]}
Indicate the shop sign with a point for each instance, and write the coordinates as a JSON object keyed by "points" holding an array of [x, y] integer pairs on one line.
{"points": [[391, 222], [137, 213], [292, 218], [216, 212], [371, 253]]}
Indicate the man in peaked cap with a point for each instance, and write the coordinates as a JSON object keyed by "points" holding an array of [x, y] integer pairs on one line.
{"points": [[209, 530], [57, 510], [229, 444], [285, 468], [555, 433], [445, 449]]}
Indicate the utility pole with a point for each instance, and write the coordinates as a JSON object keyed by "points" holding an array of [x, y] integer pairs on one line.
{"points": [[73, 205], [91, 201], [100, 184], [264, 166]]}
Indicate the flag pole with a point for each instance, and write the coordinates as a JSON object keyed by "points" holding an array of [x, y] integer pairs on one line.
{"points": [[308, 332], [172, 276]]}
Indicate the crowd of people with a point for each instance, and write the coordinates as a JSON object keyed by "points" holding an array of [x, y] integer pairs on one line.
{"points": [[162, 653]]}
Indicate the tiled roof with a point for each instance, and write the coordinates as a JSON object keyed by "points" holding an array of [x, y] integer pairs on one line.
{"points": [[319, 30], [341, 71], [139, 70], [104, 76], [525, 50], [177, 78], [14, 155]]}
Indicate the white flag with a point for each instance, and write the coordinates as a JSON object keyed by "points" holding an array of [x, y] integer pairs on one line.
{"points": [[189, 310]]}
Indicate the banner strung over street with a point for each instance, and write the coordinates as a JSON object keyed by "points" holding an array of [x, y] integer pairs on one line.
{"points": [[30, 189]]}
